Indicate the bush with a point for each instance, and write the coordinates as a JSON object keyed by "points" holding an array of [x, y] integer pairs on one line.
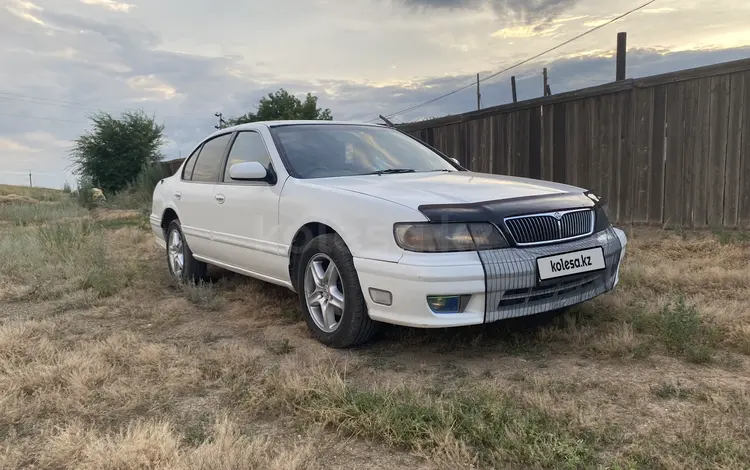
{"points": [[84, 194], [682, 330], [138, 195], [113, 152]]}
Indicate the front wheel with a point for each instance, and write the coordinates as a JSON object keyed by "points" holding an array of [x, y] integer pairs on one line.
{"points": [[182, 265], [330, 295]]}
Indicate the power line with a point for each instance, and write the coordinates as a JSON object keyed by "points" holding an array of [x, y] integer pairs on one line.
{"points": [[474, 83]]}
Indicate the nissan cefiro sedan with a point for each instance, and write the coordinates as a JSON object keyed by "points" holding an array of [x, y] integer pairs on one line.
{"points": [[369, 225]]}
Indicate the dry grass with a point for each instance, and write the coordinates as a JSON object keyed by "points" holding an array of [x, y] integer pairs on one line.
{"points": [[105, 364]]}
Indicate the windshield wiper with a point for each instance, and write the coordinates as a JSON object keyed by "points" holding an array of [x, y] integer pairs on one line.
{"points": [[392, 170]]}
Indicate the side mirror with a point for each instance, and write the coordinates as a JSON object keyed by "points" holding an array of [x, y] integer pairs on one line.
{"points": [[455, 160], [248, 171]]}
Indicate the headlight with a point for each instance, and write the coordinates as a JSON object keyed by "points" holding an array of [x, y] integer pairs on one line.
{"points": [[437, 238]]}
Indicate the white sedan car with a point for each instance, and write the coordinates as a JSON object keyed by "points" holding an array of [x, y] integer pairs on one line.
{"points": [[369, 225]]}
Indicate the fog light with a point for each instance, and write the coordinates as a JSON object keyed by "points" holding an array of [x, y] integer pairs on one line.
{"points": [[382, 297], [448, 303]]}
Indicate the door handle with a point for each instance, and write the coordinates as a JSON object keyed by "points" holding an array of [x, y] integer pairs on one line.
{"points": [[177, 195], [220, 198]]}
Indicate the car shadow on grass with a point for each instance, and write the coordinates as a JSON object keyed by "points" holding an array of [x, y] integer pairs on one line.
{"points": [[512, 336]]}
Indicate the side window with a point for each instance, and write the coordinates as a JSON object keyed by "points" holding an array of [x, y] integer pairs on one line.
{"points": [[247, 147], [209, 161], [187, 170]]}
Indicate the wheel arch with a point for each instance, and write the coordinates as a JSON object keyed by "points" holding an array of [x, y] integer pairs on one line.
{"points": [[301, 238], [167, 217]]}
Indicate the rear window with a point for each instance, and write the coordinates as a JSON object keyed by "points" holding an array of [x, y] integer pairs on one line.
{"points": [[187, 170], [208, 165]]}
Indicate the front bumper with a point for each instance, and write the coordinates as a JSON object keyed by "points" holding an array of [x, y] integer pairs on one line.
{"points": [[502, 283]]}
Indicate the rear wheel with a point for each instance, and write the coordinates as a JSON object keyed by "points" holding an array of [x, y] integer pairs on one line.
{"points": [[182, 265], [330, 295]]}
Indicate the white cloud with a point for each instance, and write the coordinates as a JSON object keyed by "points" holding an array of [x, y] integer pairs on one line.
{"points": [[526, 31], [658, 10], [154, 88], [110, 4], [21, 9], [46, 139], [10, 146]]}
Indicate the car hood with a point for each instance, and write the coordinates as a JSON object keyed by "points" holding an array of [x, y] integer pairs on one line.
{"points": [[456, 187]]}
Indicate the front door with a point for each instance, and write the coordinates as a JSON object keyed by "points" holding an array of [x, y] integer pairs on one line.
{"points": [[195, 197], [246, 230]]}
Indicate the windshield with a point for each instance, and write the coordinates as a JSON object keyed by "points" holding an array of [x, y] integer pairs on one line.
{"points": [[327, 150]]}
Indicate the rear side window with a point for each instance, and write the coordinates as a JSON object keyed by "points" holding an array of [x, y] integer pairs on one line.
{"points": [[208, 165], [247, 147], [187, 170]]}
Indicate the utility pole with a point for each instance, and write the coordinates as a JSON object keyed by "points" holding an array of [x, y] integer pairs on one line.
{"points": [[546, 85], [622, 48], [221, 120], [479, 95], [513, 88], [30, 183]]}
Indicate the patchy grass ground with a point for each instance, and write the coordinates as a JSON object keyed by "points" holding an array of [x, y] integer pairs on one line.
{"points": [[104, 364]]}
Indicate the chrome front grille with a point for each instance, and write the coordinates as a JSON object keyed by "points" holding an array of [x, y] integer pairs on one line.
{"points": [[551, 227]]}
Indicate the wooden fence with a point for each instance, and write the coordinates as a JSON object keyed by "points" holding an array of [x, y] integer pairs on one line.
{"points": [[671, 149], [171, 166]]}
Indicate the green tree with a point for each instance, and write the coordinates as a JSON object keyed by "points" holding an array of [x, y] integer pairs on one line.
{"points": [[114, 152], [282, 105]]}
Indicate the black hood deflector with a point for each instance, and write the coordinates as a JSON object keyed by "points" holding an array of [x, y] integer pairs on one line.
{"points": [[497, 210]]}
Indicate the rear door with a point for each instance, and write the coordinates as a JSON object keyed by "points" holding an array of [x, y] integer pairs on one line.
{"points": [[195, 195], [246, 230]]}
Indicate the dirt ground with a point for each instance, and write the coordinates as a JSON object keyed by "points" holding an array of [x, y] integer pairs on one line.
{"points": [[106, 364]]}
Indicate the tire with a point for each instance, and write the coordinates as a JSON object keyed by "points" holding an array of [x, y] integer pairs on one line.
{"points": [[192, 269], [354, 325]]}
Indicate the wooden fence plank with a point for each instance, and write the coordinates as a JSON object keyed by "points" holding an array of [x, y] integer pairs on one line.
{"points": [[744, 198], [603, 146], [524, 140], [571, 149], [510, 127], [498, 161], [688, 168], [625, 152], [535, 143], [717, 155], [613, 197], [644, 114], [734, 150], [547, 142], [701, 151], [673, 181], [559, 139], [583, 146], [595, 156], [655, 191], [485, 136]]}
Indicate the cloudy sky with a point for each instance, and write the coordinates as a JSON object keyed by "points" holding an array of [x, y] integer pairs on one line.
{"points": [[184, 60]]}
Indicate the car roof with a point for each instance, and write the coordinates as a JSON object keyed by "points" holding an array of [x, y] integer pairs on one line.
{"points": [[270, 124]]}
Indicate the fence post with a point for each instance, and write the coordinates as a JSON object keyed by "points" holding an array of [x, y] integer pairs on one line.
{"points": [[622, 46]]}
